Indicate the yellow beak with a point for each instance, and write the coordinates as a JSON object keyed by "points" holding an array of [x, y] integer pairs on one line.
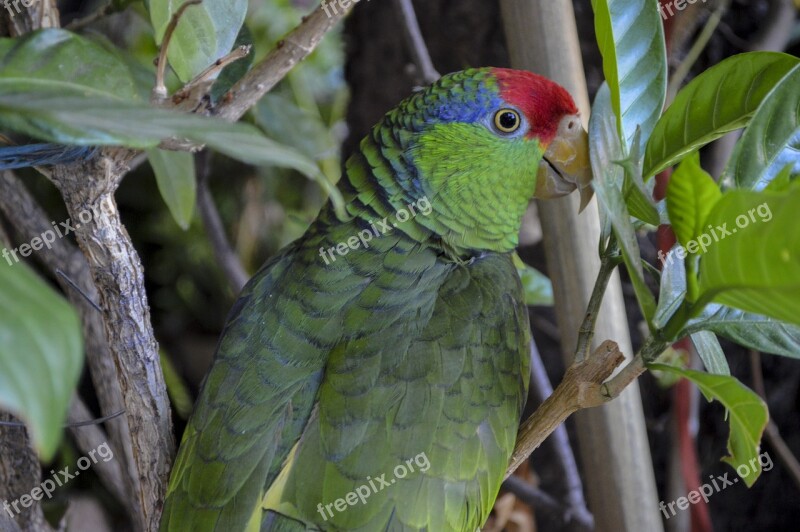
{"points": [[565, 165]]}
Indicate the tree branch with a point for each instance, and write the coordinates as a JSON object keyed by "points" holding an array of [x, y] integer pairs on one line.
{"points": [[29, 220], [416, 43], [582, 387], [289, 51], [88, 189], [568, 468], [224, 253]]}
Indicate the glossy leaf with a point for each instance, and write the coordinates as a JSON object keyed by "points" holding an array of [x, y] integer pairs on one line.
{"points": [[772, 140], [750, 330], [41, 351], [537, 287], [604, 149], [631, 39], [756, 267], [720, 100], [64, 63], [175, 176], [204, 33], [747, 414], [691, 194], [710, 352], [97, 121], [672, 290]]}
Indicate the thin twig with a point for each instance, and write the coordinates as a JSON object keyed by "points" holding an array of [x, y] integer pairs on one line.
{"points": [[608, 262], [237, 53], [80, 23], [697, 48], [160, 90], [542, 502], [289, 51], [567, 466], [30, 220], [78, 289], [89, 438], [226, 257], [416, 43], [772, 433]]}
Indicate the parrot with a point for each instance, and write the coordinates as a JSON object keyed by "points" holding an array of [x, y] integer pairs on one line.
{"points": [[371, 376]]}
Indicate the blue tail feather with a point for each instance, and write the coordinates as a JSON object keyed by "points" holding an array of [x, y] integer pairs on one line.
{"points": [[42, 154]]}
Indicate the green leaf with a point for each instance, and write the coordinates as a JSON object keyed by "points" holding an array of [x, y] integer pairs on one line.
{"points": [[772, 140], [672, 290], [41, 351], [177, 389], [175, 175], [720, 100], [604, 148], [750, 330], [537, 287], [98, 121], [631, 39], [747, 413], [710, 352], [756, 267], [691, 194], [63, 63], [204, 33]]}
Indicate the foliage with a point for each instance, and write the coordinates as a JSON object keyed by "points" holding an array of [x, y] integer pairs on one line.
{"points": [[736, 268]]}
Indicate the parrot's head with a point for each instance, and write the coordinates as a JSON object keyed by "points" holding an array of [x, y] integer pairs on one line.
{"points": [[479, 144]]}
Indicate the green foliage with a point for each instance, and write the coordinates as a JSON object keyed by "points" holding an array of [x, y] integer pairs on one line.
{"points": [[736, 270], [538, 288], [204, 33], [750, 330], [41, 353], [747, 413], [631, 38], [720, 100], [175, 175], [604, 150], [772, 141], [707, 346], [64, 63], [691, 194], [756, 267]]}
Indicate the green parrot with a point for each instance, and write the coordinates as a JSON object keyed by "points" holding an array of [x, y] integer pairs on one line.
{"points": [[372, 375]]}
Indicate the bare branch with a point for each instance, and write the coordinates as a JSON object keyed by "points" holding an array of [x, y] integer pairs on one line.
{"points": [[416, 43], [88, 189], [772, 434], [565, 458], [160, 90], [20, 473], [289, 51], [224, 253], [29, 220], [580, 388], [90, 437]]}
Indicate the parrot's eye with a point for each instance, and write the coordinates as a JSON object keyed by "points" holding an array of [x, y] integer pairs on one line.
{"points": [[507, 120]]}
